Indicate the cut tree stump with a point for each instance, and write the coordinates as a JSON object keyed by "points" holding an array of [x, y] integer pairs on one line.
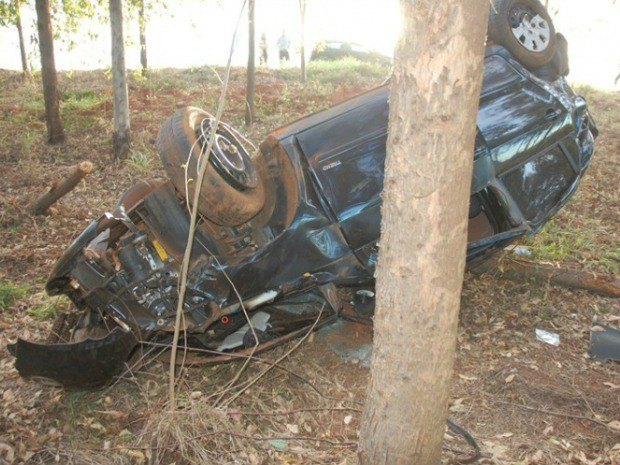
{"points": [[521, 270], [60, 188]]}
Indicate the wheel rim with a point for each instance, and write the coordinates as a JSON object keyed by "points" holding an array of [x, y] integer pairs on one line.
{"points": [[530, 29], [228, 155]]}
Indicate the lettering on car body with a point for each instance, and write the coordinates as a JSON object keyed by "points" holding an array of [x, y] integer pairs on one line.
{"points": [[332, 165]]}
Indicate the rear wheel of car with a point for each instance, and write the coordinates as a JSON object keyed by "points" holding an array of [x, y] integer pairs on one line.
{"points": [[525, 28], [232, 191]]}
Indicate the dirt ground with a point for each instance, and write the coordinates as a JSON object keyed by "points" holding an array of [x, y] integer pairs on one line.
{"points": [[525, 402]]}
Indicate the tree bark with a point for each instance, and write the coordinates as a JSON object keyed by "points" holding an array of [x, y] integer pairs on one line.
{"points": [[55, 131], [142, 26], [249, 107], [22, 44], [121, 136], [60, 189], [433, 105], [302, 9]]}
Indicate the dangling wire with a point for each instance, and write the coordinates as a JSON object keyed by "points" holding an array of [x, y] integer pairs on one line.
{"points": [[192, 229]]}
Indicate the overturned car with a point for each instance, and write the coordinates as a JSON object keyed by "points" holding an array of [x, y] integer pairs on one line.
{"points": [[283, 229]]}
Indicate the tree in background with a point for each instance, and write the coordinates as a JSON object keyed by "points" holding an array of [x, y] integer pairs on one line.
{"points": [[142, 29], [433, 105], [121, 135], [251, 71], [302, 11], [142, 9], [55, 131], [10, 16]]}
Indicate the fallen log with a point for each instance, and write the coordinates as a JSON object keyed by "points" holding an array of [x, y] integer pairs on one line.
{"points": [[60, 189], [521, 270]]}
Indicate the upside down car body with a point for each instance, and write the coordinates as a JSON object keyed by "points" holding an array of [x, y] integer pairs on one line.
{"points": [[296, 221]]}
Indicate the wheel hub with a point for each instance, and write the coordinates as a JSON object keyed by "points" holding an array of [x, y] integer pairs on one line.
{"points": [[530, 29], [228, 156]]}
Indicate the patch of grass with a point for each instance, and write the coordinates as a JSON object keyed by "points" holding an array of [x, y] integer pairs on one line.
{"points": [[570, 242], [557, 243], [347, 70], [10, 293], [139, 162], [29, 137], [49, 308], [82, 100]]}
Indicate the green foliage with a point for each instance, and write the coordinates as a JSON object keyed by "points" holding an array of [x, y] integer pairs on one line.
{"points": [[567, 241], [353, 69], [68, 15], [82, 99], [139, 162], [49, 308], [8, 12], [138, 76], [10, 293]]}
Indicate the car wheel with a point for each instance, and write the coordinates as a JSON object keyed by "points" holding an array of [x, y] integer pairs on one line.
{"points": [[232, 190], [525, 28]]}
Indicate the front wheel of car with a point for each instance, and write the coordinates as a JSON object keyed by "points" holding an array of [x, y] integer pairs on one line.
{"points": [[525, 28]]}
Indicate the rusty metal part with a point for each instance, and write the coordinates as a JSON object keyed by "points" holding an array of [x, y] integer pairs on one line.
{"points": [[137, 192]]}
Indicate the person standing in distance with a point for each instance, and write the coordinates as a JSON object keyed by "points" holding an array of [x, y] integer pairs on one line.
{"points": [[283, 45], [262, 47]]}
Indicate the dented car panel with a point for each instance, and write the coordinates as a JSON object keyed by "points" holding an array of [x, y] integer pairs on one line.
{"points": [[318, 224]]}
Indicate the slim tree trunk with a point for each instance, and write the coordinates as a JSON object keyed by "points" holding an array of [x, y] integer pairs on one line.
{"points": [[433, 105], [302, 9], [55, 131], [22, 44], [121, 136], [249, 108], [142, 26]]}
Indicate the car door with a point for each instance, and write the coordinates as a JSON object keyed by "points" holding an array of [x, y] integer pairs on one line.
{"points": [[346, 153]]}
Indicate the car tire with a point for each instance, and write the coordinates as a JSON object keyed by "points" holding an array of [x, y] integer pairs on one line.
{"points": [[560, 59], [525, 29], [224, 200]]}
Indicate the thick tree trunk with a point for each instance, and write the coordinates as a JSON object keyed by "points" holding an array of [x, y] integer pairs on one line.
{"points": [[433, 105], [55, 131], [302, 9], [142, 25], [121, 136], [249, 108], [22, 44]]}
